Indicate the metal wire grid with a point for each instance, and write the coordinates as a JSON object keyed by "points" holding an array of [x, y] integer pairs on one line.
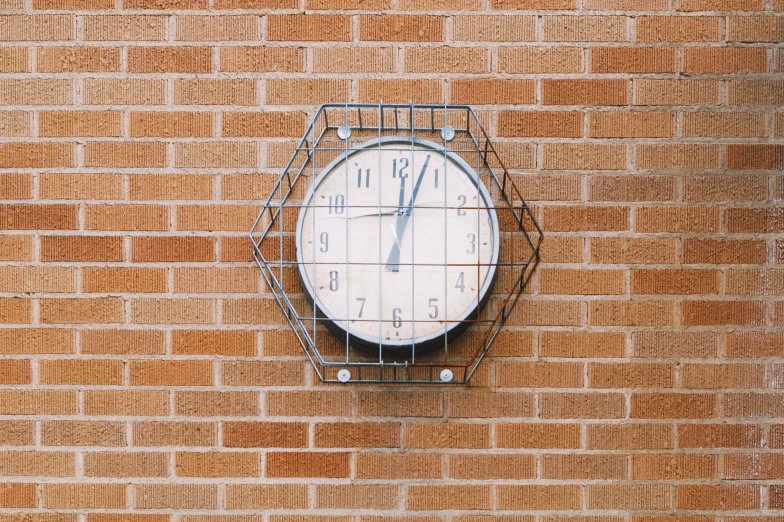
{"points": [[340, 129]]}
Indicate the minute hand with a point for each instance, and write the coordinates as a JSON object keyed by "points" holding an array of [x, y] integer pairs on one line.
{"points": [[393, 261]]}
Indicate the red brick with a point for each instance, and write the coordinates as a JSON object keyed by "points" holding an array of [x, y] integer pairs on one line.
{"points": [[125, 154], [676, 92], [493, 91], [581, 282], [638, 124], [488, 467], [262, 59], [357, 496], [673, 466], [586, 218], [216, 464], [357, 434], [630, 436], [717, 497], [724, 124], [81, 248], [266, 496], [755, 92], [538, 497], [18, 495], [755, 220], [630, 375], [674, 281], [632, 251], [749, 313], [657, 344], [496, 404], [585, 28], [631, 313], [15, 371], [78, 310], [720, 436], [532, 60], [673, 406], [759, 157], [36, 155], [265, 434], [754, 29], [631, 188], [754, 344], [629, 496], [401, 28], [632, 60], [540, 124], [677, 219], [496, 28], [538, 435], [725, 60], [584, 467], [585, 92], [309, 27], [307, 464], [583, 156], [539, 375], [217, 404], [678, 29], [171, 373], [122, 464], [447, 435], [448, 497], [387, 465], [173, 249], [170, 433], [169, 59], [85, 372], [582, 405]]}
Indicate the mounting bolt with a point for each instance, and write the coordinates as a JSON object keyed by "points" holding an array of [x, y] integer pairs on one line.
{"points": [[344, 375], [344, 132], [448, 133], [447, 375]]}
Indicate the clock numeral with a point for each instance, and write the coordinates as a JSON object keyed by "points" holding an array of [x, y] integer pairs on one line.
{"points": [[460, 285], [433, 303], [471, 241], [359, 178], [337, 203], [436, 178], [397, 321], [403, 166], [324, 240], [362, 306], [333, 280], [463, 200]]}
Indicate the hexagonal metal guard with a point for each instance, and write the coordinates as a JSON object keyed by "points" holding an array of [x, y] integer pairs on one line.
{"points": [[337, 129]]}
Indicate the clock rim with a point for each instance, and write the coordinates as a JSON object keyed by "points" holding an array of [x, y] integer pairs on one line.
{"points": [[402, 347]]}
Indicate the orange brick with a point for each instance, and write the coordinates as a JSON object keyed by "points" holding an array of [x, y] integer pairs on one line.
{"points": [[538, 497], [754, 29], [216, 91], [216, 280], [441, 497], [93, 310], [719, 5], [255, 4], [114, 91], [673, 406], [77, 59], [717, 497], [674, 281], [16, 248], [754, 344], [673, 466], [400, 404], [81, 248], [15, 371], [223, 154], [263, 124], [171, 373], [28, 463], [677, 156], [750, 405], [582, 282], [127, 154], [216, 217], [582, 405], [447, 435], [631, 188], [169, 59], [357, 496], [265, 434], [630, 375], [36, 155], [632, 60], [495, 28], [217, 404], [168, 433], [629, 496], [656, 344], [755, 282], [676, 92], [724, 124], [15, 310], [172, 311], [127, 217], [82, 433], [36, 340], [307, 464], [14, 59], [585, 467], [262, 373], [38, 402], [532, 4], [171, 124], [217, 28], [18, 495], [496, 404], [678, 29], [630, 313], [744, 157], [122, 464], [85, 496], [176, 496], [401, 28], [585, 92], [123, 341], [72, 4], [677, 219], [36, 91], [353, 59], [755, 220], [534, 60], [722, 376], [447, 59], [542, 124], [759, 92], [371, 465], [170, 186], [630, 436], [725, 60], [79, 123], [309, 27], [749, 313], [527, 435], [539, 375], [267, 496], [350, 5], [725, 188], [37, 279], [216, 464], [401, 91], [357, 434], [632, 251], [173, 249], [585, 28], [125, 27], [583, 156], [638, 124], [263, 59], [586, 218], [582, 344], [201, 342], [306, 91], [85, 372], [501, 466], [37, 27], [753, 466], [16, 186]]}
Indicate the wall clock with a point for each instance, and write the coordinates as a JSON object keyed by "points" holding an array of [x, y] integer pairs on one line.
{"points": [[397, 245]]}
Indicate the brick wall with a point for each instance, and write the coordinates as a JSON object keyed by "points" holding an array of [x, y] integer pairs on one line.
{"points": [[145, 378]]}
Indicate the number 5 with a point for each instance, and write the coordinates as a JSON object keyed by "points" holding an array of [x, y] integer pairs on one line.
{"points": [[433, 303]]}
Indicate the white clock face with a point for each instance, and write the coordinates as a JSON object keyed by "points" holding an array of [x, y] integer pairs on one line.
{"points": [[397, 245]]}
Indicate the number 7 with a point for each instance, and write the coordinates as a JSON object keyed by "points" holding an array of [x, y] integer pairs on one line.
{"points": [[363, 299]]}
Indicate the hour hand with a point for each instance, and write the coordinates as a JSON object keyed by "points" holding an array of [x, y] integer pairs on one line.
{"points": [[393, 261]]}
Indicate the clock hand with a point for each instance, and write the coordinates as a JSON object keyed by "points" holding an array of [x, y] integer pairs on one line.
{"points": [[393, 261], [397, 212]]}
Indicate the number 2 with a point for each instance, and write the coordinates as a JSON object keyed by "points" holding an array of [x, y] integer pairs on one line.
{"points": [[463, 200]]}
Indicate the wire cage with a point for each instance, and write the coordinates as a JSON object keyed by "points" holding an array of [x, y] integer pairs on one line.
{"points": [[457, 344]]}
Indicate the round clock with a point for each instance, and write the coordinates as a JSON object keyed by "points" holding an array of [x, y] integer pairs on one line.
{"points": [[397, 246]]}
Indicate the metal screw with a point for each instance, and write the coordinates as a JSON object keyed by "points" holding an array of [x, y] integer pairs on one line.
{"points": [[344, 132], [448, 133], [447, 375], [344, 375]]}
